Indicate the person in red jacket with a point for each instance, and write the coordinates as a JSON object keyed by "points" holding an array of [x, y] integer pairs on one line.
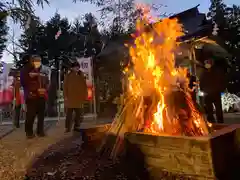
{"points": [[35, 85], [17, 100]]}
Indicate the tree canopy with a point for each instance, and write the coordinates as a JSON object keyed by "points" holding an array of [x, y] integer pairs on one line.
{"points": [[3, 35], [75, 40], [20, 10], [228, 20]]}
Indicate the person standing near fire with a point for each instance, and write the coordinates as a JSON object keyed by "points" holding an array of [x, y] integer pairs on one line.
{"points": [[35, 85], [75, 94], [17, 104], [213, 83]]}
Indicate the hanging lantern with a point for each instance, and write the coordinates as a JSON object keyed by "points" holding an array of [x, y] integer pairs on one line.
{"points": [[6, 96], [90, 93]]}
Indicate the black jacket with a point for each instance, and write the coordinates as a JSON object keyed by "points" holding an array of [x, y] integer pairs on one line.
{"points": [[213, 80]]}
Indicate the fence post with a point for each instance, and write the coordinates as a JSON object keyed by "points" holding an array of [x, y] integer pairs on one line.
{"points": [[1, 117]]}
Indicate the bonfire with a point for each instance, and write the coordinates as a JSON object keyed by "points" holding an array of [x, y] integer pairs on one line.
{"points": [[157, 99]]}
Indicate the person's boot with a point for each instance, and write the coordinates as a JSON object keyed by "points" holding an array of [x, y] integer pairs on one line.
{"points": [[67, 130], [76, 128], [17, 125], [30, 136], [220, 121], [41, 134]]}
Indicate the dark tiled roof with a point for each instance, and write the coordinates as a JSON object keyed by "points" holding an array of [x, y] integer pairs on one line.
{"points": [[194, 23], [187, 13]]}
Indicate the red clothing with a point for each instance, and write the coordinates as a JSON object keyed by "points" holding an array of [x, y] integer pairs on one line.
{"points": [[31, 85], [17, 93]]}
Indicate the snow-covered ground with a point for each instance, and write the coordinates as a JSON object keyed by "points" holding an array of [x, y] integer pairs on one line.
{"points": [[230, 102]]}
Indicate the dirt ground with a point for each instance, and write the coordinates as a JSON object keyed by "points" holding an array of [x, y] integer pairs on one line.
{"points": [[60, 156], [67, 160]]}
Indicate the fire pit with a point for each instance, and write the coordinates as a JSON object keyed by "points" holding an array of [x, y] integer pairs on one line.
{"points": [[159, 121], [197, 157]]}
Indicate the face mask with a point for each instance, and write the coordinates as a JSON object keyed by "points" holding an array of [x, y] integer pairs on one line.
{"points": [[208, 66], [36, 64]]}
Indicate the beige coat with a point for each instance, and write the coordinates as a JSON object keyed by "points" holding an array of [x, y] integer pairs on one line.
{"points": [[74, 89]]}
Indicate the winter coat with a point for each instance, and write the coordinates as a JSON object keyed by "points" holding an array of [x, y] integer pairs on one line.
{"points": [[213, 81], [17, 94], [31, 85], [74, 89]]}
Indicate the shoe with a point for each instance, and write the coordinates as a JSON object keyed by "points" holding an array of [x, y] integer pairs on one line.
{"points": [[17, 125], [41, 135], [67, 130], [76, 129], [30, 136]]}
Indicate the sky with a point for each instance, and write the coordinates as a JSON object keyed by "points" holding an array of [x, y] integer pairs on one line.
{"points": [[72, 11]]}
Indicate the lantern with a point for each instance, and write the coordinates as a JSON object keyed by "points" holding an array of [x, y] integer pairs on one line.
{"points": [[90, 93]]}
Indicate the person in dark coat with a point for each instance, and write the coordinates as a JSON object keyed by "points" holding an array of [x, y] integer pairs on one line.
{"points": [[75, 94], [192, 85], [35, 85], [213, 83]]}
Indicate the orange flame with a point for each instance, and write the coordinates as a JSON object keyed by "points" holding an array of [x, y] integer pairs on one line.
{"points": [[154, 75]]}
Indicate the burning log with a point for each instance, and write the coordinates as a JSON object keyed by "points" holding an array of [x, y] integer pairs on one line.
{"points": [[184, 110]]}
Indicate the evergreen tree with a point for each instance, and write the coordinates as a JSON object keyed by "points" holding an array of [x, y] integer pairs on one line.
{"points": [[227, 19], [93, 42], [3, 35], [217, 12], [233, 36], [40, 39], [19, 10], [233, 44]]}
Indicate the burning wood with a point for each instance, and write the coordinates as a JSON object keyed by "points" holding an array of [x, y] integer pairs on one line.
{"points": [[157, 100]]}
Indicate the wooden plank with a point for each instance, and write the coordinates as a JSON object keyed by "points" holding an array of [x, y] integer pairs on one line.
{"points": [[224, 150], [182, 155], [219, 126], [200, 157]]}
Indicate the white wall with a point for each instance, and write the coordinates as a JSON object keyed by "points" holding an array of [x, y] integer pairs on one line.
{"points": [[5, 80]]}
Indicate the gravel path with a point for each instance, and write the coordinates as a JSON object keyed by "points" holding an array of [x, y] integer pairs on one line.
{"points": [[8, 129], [5, 130]]}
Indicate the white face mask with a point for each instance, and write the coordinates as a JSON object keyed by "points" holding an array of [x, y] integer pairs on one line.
{"points": [[37, 64]]}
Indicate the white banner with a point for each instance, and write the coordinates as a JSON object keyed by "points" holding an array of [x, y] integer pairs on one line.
{"points": [[86, 68], [5, 80]]}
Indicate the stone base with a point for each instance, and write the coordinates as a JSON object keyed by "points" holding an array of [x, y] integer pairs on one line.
{"points": [[192, 157]]}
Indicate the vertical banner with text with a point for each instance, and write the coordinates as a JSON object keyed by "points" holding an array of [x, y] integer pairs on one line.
{"points": [[86, 68]]}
